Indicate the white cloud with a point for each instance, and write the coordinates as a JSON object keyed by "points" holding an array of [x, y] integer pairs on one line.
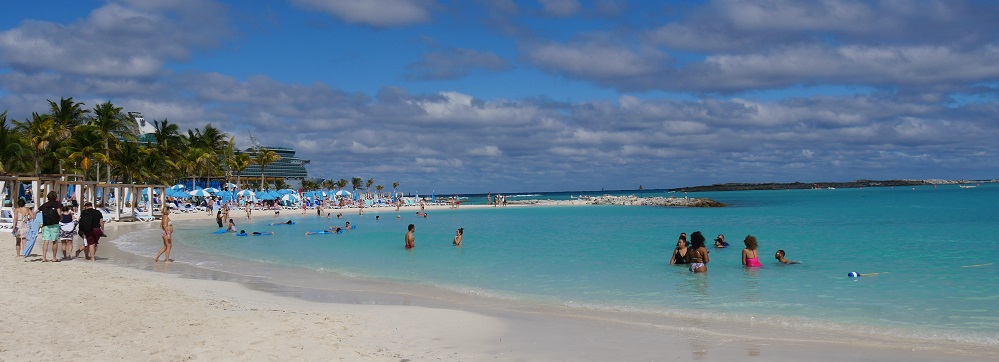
{"points": [[377, 13], [491, 151], [560, 8]]}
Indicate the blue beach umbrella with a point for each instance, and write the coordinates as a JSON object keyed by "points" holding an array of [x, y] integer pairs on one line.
{"points": [[246, 193], [343, 193]]}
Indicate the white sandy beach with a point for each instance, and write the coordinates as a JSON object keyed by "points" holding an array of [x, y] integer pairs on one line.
{"points": [[101, 311]]}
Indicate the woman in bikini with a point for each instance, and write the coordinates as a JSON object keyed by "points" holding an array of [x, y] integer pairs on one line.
{"points": [[697, 258], [680, 252], [167, 225], [750, 255]]}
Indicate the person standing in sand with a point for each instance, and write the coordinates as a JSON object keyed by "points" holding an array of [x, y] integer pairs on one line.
{"points": [[91, 229], [410, 238], [167, 225], [50, 225], [67, 228], [698, 257], [22, 216]]}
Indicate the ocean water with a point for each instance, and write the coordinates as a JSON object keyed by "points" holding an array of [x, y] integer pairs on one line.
{"points": [[928, 253]]}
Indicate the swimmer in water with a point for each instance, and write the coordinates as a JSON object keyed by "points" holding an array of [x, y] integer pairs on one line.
{"points": [[780, 257], [289, 222]]}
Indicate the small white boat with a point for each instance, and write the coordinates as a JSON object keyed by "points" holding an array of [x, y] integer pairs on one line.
{"points": [[830, 188], [967, 186]]}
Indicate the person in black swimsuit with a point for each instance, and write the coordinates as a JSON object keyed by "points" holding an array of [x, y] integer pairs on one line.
{"points": [[680, 252]]}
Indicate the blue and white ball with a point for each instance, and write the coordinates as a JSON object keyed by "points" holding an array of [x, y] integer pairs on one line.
{"points": [[853, 274]]}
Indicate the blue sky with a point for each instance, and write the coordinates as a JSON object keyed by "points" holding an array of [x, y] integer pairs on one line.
{"points": [[504, 96]]}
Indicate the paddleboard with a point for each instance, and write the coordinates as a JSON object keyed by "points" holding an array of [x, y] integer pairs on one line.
{"points": [[219, 231], [34, 226]]}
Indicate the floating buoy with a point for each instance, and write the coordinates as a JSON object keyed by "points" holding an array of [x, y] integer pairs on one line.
{"points": [[853, 274]]}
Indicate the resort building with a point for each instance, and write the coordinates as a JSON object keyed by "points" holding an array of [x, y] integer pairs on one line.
{"points": [[143, 130], [289, 169]]}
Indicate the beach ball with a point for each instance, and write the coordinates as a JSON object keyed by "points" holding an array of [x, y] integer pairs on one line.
{"points": [[853, 274]]}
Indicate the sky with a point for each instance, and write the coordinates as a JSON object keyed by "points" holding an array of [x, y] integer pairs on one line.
{"points": [[545, 95]]}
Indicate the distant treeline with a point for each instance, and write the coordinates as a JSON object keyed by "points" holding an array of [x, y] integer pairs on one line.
{"points": [[799, 185]]}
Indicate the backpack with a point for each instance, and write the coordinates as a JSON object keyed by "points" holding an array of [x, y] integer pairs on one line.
{"points": [[50, 216], [85, 222]]}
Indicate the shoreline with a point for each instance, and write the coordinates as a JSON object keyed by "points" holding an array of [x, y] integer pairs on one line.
{"points": [[496, 330]]}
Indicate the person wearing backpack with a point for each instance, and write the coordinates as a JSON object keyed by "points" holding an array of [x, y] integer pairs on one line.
{"points": [[50, 225], [91, 229]]}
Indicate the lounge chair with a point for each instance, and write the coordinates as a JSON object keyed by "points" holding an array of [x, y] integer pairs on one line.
{"points": [[143, 218]]}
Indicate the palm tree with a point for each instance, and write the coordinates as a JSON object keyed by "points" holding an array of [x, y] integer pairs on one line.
{"points": [[342, 183], [83, 148], [265, 157], [356, 183], [239, 163], [114, 127], [379, 188], [329, 184], [367, 185], [228, 156], [168, 138], [135, 163], [40, 132], [395, 185], [66, 113], [12, 151]]}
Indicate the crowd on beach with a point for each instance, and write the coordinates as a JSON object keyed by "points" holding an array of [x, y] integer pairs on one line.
{"points": [[60, 223], [695, 253]]}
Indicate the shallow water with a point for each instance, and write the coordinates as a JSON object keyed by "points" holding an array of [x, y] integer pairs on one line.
{"points": [[615, 258]]}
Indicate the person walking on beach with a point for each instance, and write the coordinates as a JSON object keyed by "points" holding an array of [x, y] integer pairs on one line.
{"points": [[50, 225], [410, 238], [681, 250], [698, 257], [750, 255], [218, 219], [67, 227], [458, 237], [22, 217], [91, 228], [167, 225]]}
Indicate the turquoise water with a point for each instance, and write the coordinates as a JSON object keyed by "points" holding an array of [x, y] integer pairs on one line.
{"points": [[616, 257]]}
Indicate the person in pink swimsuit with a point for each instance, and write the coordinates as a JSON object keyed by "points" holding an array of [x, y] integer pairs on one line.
{"points": [[750, 255]]}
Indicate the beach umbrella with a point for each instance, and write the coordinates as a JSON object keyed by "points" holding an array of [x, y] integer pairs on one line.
{"points": [[230, 186], [246, 193], [290, 197], [178, 194], [343, 193], [212, 190], [177, 187], [267, 195], [201, 193], [286, 191]]}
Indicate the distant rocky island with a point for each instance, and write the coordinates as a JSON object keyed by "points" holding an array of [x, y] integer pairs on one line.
{"points": [[631, 200], [823, 185]]}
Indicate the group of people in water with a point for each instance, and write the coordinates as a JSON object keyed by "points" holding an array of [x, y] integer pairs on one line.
{"points": [[695, 254]]}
